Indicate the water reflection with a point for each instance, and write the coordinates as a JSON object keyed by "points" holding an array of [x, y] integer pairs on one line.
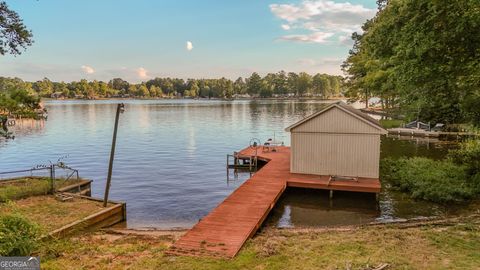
{"points": [[303, 207], [170, 161]]}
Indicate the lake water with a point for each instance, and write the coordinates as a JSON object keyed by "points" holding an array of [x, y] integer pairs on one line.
{"points": [[171, 155]]}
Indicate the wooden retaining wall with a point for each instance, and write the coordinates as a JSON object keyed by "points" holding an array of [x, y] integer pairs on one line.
{"points": [[113, 214]]}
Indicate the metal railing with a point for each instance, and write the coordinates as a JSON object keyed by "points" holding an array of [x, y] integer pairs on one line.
{"points": [[43, 171]]}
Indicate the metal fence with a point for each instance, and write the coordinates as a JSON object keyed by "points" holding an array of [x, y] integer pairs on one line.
{"points": [[55, 172]]}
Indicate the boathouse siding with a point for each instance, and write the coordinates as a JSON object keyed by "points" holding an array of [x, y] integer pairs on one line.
{"points": [[337, 140]]}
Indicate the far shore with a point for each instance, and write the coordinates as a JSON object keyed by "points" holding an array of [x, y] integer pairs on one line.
{"points": [[188, 98]]}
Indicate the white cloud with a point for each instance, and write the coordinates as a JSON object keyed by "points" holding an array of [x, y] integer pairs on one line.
{"points": [[320, 62], [329, 65], [285, 27], [142, 73], [345, 40], [323, 16], [306, 62], [189, 46], [87, 69], [315, 37]]}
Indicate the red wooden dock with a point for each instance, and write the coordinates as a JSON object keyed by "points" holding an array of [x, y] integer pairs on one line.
{"points": [[224, 230]]}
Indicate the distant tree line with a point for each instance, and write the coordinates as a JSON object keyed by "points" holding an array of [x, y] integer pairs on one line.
{"points": [[279, 84]]}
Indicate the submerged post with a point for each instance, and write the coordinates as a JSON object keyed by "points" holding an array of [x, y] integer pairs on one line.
{"points": [[120, 108]]}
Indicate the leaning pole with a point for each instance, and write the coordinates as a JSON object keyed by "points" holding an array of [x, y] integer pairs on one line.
{"points": [[120, 108]]}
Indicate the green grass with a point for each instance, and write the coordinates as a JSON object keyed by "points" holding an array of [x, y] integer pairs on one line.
{"points": [[26, 187], [391, 123], [23, 188], [49, 213], [426, 247]]}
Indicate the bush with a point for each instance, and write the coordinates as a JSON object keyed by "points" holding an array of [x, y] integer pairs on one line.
{"points": [[427, 179], [18, 235], [391, 123], [468, 155]]}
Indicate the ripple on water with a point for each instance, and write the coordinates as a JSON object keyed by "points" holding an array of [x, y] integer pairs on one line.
{"points": [[170, 158]]}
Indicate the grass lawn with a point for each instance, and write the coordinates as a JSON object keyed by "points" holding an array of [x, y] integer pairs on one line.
{"points": [[431, 246], [49, 213], [25, 187]]}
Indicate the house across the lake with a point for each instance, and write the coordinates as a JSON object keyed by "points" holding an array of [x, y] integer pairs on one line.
{"points": [[336, 141]]}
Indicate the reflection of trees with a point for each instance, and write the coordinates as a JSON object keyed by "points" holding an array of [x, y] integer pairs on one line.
{"points": [[314, 208], [254, 109], [395, 148], [24, 127]]}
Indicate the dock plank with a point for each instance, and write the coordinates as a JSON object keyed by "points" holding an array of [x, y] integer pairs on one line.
{"points": [[224, 231]]}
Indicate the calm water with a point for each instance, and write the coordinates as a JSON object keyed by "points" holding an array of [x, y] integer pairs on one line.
{"points": [[170, 159]]}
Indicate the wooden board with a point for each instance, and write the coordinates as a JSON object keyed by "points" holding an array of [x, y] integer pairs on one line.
{"points": [[113, 214]]}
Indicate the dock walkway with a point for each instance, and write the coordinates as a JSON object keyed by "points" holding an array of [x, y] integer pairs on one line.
{"points": [[225, 229]]}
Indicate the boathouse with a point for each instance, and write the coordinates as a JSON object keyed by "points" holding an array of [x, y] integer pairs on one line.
{"points": [[337, 141]]}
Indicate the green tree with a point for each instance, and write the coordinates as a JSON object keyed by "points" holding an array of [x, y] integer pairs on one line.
{"points": [[44, 87], [254, 84], [102, 89], [304, 83], [239, 86], [14, 35], [193, 90], [420, 56], [155, 91], [280, 83], [132, 90], [292, 82], [119, 84], [318, 85], [142, 91]]}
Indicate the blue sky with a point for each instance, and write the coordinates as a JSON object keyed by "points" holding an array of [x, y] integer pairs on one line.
{"points": [[138, 40]]}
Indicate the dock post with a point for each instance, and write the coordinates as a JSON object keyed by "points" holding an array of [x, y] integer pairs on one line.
{"points": [[331, 194], [228, 172]]}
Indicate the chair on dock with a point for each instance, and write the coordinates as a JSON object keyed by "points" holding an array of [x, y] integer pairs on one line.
{"points": [[271, 145]]}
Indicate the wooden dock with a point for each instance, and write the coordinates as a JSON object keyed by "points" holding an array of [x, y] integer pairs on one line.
{"points": [[425, 133], [226, 228]]}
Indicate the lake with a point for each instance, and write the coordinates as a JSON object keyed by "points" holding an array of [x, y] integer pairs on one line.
{"points": [[171, 156]]}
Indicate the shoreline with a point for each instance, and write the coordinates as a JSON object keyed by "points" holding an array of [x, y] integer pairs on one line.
{"points": [[183, 98], [445, 244], [408, 222]]}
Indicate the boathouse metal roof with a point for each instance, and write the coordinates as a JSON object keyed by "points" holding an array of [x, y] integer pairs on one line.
{"points": [[346, 108]]}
